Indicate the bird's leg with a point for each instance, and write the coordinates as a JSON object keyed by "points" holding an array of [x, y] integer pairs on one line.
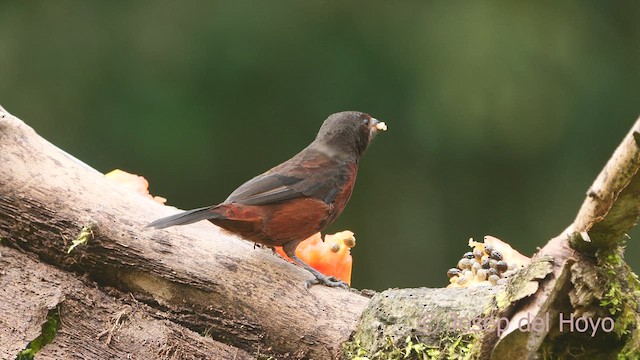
{"points": [[262, 246], [290, 249]]}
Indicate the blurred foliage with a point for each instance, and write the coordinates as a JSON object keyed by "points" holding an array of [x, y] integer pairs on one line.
{"points": [[500, 114]]}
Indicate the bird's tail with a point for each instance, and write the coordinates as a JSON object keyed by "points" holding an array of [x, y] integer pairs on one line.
{"points": [[185, 217]]}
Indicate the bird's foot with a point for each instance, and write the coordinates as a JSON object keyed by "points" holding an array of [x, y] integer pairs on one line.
{"points": [[329, 281]]}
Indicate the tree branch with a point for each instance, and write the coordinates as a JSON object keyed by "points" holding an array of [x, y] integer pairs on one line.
{"points": [[611, 208], [587, 265]]}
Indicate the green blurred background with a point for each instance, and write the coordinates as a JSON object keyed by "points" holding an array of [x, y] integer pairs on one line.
{"points": [[500, 115]]}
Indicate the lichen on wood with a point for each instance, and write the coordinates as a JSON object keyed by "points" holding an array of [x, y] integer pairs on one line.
{"points": [[438, 319]]}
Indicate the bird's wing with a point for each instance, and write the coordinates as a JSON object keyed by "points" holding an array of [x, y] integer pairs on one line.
{"points": [[265, 189], [305, 176]]}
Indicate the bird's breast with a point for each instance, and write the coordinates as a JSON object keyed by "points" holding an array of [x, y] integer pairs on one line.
{"points": [[275, 224], [343, 194]]}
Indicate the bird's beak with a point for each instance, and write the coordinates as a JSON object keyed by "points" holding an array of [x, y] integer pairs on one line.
{"points": [[376, 127]]}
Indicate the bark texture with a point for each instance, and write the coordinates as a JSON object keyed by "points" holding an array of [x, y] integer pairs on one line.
{"points": [[95, 324]]}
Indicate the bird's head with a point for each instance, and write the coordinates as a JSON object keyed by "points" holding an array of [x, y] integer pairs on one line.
{"points": [[349, 132]]}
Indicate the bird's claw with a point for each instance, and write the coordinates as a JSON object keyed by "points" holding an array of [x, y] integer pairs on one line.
{"points": [[329, 281]]}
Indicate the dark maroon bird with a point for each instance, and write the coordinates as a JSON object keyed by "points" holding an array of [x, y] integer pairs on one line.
{"points": [[299, 197]]}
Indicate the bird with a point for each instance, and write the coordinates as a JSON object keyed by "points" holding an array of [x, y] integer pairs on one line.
{"points": [[299, 197]]}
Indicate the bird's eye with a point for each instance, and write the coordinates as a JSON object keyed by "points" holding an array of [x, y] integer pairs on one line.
{"points": [[365, 122]]}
